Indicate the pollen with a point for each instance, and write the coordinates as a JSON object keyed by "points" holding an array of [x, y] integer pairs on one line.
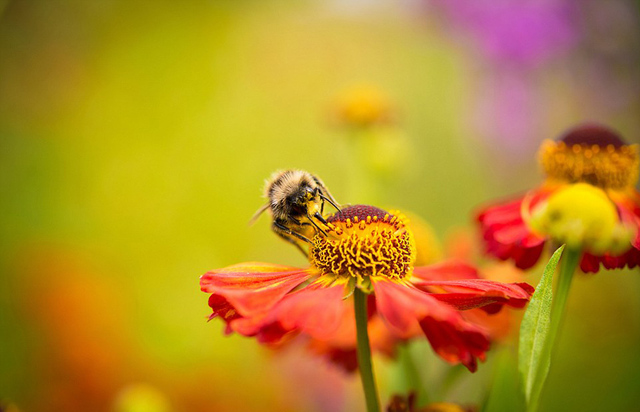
{"points": [[591, 154], [364, 241]]}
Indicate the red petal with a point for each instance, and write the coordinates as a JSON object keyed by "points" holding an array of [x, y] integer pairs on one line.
{"points": [[316, 311], [313, 310], [340, 347], [253, 287], [506, 234], [471, 294], [221, 307], [589, 263], [456, 341], [403, 306], [453, 338], [449, 270], [345, 358]]}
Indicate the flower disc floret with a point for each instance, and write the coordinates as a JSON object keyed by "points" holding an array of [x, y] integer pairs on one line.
{"points": [[591, 154], [364, 241]]}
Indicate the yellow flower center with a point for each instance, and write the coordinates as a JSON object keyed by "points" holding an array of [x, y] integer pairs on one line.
{"points": [[362, 242], [363, 106], [591, 154], [583, 217]]}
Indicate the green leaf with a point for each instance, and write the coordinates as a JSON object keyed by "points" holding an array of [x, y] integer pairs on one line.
{"points": [[533, 353]]}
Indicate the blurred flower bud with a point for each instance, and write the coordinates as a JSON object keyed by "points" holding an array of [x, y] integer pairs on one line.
{"points": [[363, 106], [446, 407], [583, 217], [141, 397], [400, 403]]}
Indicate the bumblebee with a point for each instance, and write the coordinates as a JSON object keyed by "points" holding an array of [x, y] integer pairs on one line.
{"points": [[295, 200]]}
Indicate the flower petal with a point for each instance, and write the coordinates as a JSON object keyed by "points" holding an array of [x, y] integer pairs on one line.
{"points": [[316, 311], [253, 287], [448, 270], [454, 339], [235, 322], [340, 348], [506, 234], [475, 293]]}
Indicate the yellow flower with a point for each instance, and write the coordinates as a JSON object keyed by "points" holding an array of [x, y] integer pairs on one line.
{"points": [[583, 217], [363, 106], [141, 397]]}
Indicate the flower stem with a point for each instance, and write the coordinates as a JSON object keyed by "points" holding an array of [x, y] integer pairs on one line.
{"points": [[364, 352]]}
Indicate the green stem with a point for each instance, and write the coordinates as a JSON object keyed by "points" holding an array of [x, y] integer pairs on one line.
{"points": [[364, 352]]}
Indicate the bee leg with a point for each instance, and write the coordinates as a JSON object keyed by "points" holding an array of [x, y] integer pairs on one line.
{"points": [[280, 228], [294, 242], [320, 218], [290, 236], [315, 224]]}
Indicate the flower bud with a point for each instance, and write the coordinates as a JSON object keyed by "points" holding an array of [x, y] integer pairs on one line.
{"points": [[583, 217]]}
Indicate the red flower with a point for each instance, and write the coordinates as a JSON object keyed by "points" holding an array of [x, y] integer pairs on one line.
{"points": [[368, 248], [589, 154]]}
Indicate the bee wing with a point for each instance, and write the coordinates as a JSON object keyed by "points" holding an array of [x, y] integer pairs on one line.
{"points": [[256, 215]]}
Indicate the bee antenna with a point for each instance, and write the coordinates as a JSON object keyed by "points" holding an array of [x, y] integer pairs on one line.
{"points": [[330, 202], [256, 215]]}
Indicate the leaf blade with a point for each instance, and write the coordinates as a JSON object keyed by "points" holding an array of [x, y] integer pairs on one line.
{"points": [[533, 356]]}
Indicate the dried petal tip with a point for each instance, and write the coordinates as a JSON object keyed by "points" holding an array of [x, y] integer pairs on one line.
{"points": [[591, 154]]}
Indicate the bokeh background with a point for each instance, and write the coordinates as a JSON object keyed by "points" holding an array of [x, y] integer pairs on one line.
{"points": [[135, 138]]}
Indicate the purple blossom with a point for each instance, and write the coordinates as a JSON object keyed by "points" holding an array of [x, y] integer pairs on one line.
{"points": [[516, 31]]}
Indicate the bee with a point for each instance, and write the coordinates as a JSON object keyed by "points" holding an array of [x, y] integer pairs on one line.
{"points": [[295, 200]]}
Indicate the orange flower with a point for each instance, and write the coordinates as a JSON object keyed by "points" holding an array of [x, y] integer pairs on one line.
{"points": [[588, 201], [367, 248]]}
